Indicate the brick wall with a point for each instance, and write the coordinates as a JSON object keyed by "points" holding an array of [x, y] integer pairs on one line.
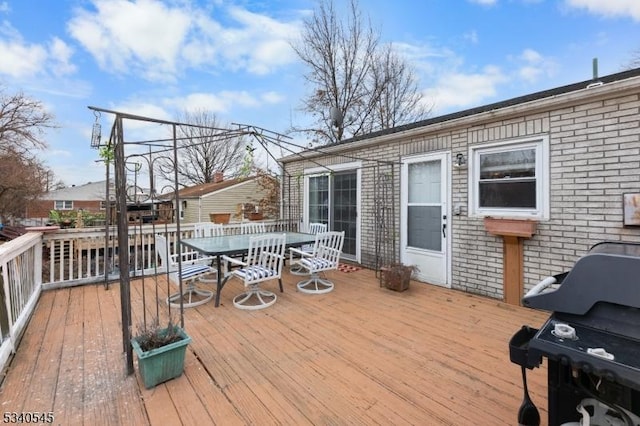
{"points": [[41, 208], [594, 141]]}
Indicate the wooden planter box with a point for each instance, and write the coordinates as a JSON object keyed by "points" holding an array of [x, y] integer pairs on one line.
{"points": [[220, 217], [510, 227], [256, 216], [395, 279], [159, 365]]}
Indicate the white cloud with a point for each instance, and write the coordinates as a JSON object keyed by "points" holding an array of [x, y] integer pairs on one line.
{"points": [[484, 2], [449, 88], [60, 54], [202, 101], [533, 65], [222, 102], [458, 90], [471, 36], [159, 41], [4, 7], [22, 60], [272, 97], [143, 36], [609, 8]]}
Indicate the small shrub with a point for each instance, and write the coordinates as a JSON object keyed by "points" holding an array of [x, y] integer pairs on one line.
{"points": [[152, 335]]}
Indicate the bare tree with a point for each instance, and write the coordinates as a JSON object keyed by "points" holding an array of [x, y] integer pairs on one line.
{"points": [[398, 100], [338, 55], [23, 180], [371, 86], [22, 123], [205, 149], [634, 61]]}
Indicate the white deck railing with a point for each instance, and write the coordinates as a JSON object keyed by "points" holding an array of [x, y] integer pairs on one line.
{"points": [[68, 257], [81, 256], [21, 282]]}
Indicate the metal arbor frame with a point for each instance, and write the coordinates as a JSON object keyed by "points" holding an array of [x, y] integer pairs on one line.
{"points": [[167, 149]]}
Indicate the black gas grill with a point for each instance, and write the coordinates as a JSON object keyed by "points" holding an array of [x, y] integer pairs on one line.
{"points": [[592, 339]]}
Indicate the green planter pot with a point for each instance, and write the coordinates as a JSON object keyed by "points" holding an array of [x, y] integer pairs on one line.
{"points": [[161, 364]]}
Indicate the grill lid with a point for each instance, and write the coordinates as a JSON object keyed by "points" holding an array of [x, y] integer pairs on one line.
{"points": [[609, 272]]}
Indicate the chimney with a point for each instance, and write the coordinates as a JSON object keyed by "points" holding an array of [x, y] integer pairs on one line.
{"points": [[218, 177]]}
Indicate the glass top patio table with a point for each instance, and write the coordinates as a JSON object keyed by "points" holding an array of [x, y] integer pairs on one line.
{"points": [[237, 244]]}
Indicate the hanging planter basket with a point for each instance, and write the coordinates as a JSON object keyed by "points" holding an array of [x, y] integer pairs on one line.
{"points": [[164, 363]]}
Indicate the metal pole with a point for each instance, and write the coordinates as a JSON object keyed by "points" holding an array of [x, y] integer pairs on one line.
{"points": [[176, 194], [123, 243]]}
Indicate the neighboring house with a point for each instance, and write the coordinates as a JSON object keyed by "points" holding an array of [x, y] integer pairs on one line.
{"points": [[221, 196], [89, 197], [557, 161]]}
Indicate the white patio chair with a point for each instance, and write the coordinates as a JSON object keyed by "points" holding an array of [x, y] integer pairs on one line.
{"points": [[295, 268], [325, 256], [194, 268], [265, 258], [252, 228], [208, 229]]}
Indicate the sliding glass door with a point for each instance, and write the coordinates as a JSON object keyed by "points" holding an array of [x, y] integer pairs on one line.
{"points": [[333, 199], [344, 217]]}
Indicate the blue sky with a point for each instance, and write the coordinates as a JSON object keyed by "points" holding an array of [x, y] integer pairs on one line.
{"points": [[159, 58]]}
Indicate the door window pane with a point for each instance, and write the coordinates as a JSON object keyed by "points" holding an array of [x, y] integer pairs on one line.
{"points": [[319, 199], [424, 227], [424, 182]]}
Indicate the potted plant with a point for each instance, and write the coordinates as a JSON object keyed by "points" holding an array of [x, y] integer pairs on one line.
{"points": [[220, 217], [161, 351], [64, 220], [397, 276], [256, 215]]}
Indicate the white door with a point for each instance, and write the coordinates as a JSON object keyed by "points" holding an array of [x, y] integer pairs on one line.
{"points": [[424, 228]]}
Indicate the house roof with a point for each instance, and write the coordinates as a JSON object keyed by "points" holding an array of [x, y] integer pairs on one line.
{"points": [[197, 191], [478, 110], [90, 191]]}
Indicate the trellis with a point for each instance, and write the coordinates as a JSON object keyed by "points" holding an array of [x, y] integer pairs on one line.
{"points": [[385, 216]]}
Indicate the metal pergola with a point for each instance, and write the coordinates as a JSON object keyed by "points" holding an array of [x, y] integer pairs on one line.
{"points": [[149, 151]]}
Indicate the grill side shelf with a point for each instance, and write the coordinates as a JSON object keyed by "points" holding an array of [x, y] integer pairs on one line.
{"points": [[519, 348]]}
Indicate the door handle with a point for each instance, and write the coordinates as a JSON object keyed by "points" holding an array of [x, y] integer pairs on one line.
{"points": [[444, 230]]}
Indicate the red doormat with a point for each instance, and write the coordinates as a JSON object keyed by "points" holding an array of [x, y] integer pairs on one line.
{"points": [[343, 267]]}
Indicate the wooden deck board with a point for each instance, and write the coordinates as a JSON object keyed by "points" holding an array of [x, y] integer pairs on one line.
{"points": [[69, 393], [122, 391], [359, 355], [22, 368], [42, 383]]}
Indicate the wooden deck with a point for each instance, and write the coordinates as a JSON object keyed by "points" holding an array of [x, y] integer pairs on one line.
{"points": [[360, 355]]}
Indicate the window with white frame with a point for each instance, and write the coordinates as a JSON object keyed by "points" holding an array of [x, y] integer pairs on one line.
{"points": [[510, 179], [63, 205]]}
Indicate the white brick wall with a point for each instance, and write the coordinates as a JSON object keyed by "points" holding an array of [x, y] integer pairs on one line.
{"points": [[594, 159]]}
